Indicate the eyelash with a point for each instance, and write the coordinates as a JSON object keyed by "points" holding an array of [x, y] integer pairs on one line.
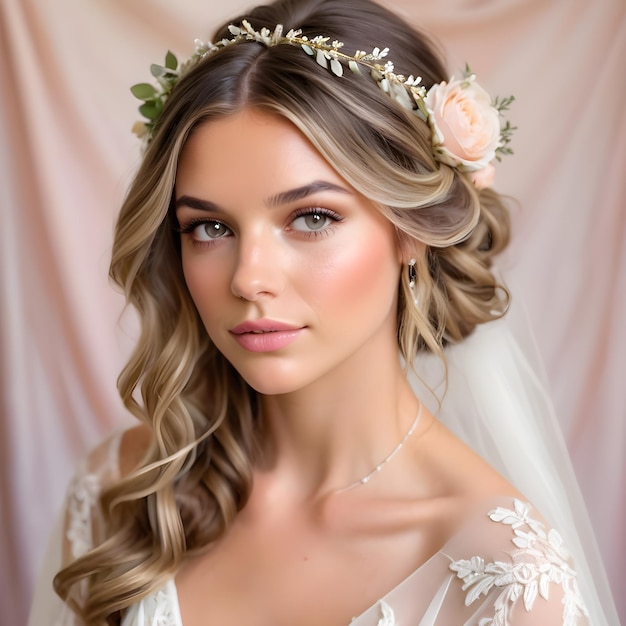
{"points": [[192, 224], [314, 234], [188, 227]]}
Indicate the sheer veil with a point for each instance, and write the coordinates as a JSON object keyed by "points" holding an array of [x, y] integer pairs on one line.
{"points": [[497, 402]]}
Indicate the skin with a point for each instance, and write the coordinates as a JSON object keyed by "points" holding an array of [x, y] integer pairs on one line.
{"points": [[335, 400]]}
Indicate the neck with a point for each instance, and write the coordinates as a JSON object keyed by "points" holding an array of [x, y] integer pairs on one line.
{"points": [[329, 436]]}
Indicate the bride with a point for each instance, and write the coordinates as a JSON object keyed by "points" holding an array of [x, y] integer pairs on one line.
{"points": [[309, 243]]}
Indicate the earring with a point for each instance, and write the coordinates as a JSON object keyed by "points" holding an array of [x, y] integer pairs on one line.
{"points": [[412, 279]]}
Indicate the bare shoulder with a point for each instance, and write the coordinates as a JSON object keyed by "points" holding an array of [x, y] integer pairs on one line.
{"points": [[103, 466], [117, 455], [457, 470], [133, 447]]}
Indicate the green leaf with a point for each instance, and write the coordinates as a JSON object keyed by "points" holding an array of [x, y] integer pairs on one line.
{"points": [[143, 91], [151, 110], [157, 70], [171, 62], [421, 111], [502, 104]]}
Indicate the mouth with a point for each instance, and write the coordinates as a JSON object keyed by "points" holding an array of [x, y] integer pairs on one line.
{"points": [[265, 335], [263, 326]]}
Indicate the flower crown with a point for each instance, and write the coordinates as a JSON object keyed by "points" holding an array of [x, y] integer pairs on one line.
{"points": [[465, 123]]}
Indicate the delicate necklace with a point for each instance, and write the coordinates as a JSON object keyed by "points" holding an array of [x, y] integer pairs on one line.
{"points": [[390, 456]]}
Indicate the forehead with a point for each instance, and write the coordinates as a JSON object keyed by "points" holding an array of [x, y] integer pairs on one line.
{"points": [[249, 151]]}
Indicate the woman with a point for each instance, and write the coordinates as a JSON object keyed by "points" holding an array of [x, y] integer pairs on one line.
{"points": [[307, 224]]}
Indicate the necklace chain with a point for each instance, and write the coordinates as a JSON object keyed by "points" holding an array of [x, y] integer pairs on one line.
{"points": [[390, 456]]}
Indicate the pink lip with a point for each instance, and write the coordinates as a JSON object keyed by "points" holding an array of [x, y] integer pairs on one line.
{"points": [[265, 335], [262, 325]]}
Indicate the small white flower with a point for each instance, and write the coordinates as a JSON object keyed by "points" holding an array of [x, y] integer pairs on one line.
{"points": [[525, 573], [412, 81], [378, 54]]}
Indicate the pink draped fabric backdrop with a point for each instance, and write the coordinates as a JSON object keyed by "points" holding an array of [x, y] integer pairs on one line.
{"points": [[66, 156]]}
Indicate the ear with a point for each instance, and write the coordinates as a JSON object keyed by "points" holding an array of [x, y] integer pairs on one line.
{"points": [[408, 248]]}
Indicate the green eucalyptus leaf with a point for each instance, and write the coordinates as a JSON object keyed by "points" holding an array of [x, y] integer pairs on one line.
{"points": [[143, 91], [171, 62], [157, 70], [151, 110]]}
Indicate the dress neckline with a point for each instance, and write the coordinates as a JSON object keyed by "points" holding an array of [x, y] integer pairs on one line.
{"points": [[372, 614]]}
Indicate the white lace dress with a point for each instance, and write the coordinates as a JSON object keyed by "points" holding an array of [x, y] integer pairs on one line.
{"points": [[504, 567]]}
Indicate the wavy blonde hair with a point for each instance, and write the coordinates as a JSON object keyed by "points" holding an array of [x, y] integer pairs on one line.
{"points": [[203, 417]]}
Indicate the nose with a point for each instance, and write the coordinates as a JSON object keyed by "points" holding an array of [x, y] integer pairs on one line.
{"points": [[258, 270]]}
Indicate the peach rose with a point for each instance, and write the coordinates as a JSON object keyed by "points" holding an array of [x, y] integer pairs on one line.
{"points": [[483, 178], [465, 125]]}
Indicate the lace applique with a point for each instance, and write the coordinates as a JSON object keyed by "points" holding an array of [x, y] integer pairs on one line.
{"points": [[388, 618], [161, 610], [539, 560], [83, 496], [157, 609]]}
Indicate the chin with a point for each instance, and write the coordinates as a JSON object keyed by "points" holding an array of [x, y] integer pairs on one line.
{"points": [[271, 386], [269, 381]]}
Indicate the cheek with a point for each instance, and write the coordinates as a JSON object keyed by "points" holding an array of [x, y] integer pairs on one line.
{"points": [[358, 275], [204, 285]]}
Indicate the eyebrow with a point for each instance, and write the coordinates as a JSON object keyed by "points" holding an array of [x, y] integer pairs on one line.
{"points": [[299, 193], [284, 197], [196, 203]]}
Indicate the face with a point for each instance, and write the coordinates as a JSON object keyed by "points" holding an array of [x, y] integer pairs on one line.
{"points": [[294, 274]]}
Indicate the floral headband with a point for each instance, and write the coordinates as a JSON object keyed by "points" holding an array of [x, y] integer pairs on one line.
{"points": [[467, 133]]}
